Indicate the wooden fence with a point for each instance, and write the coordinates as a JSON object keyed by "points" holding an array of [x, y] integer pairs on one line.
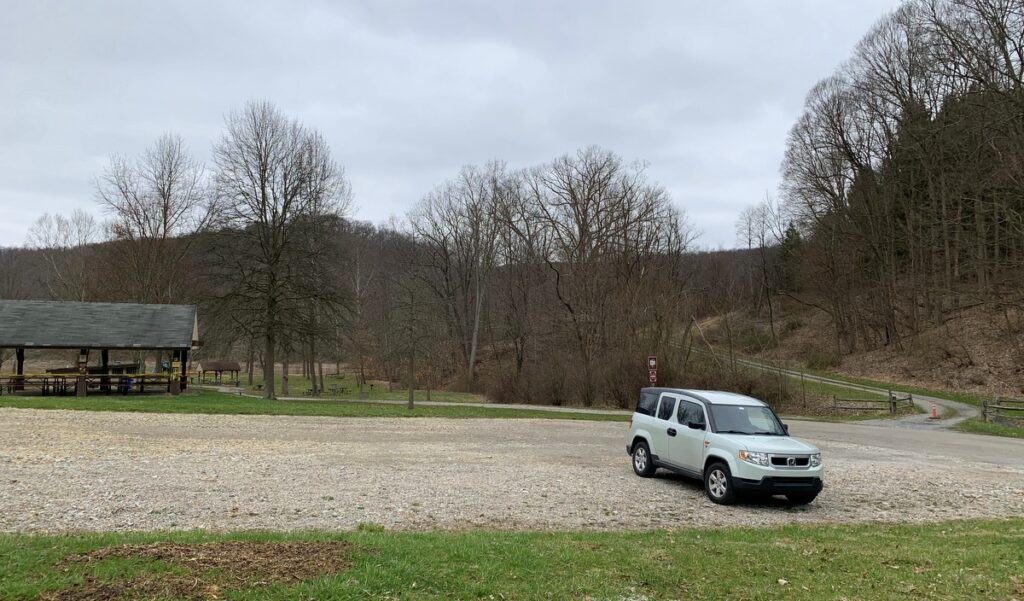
{"points": [[1001, 408], [891, 404]]}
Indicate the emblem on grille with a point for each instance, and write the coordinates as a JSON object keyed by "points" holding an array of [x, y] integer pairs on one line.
{"points": [[791, 461]]}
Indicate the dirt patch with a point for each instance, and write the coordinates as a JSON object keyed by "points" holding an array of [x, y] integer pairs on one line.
{"points": [[204, 571]]}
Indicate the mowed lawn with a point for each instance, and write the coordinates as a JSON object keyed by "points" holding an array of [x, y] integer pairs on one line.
{"points": [[211, 402], [347, 387], [956, 560]]}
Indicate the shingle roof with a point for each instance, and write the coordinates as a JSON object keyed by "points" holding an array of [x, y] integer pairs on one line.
{"points": [[59, 324]]}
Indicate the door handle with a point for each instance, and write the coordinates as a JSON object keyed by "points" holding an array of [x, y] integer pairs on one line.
{"points": [[671, 431]]}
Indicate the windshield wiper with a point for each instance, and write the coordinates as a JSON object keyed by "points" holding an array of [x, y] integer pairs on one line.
{"points": [[732, 432]]}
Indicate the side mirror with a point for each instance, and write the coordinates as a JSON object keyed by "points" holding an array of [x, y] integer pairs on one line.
{"points": [[786, 428], [695, 425]]}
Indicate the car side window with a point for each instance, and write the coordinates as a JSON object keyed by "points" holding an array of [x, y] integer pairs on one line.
{"points": [[690, 412], [648, 403], [665, 409]]}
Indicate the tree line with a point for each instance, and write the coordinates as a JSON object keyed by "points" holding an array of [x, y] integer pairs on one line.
{"points": [[902, 201], [549, 283]]}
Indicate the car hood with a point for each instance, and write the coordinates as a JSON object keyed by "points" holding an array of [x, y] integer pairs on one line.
{"points": [[775, 444]]}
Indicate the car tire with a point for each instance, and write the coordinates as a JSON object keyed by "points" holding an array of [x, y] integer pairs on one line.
{"points": [[643, 464], [801, 498], [718, 484]]}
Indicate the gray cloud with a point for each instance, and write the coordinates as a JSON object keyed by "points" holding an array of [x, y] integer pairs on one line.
{"points": [[407, 92]]}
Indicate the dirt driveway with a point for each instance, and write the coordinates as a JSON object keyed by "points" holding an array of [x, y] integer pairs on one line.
{"points": [[69, 470]]}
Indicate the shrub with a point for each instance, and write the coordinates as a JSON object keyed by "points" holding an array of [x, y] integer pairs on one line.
{"points": [[821, 361]]}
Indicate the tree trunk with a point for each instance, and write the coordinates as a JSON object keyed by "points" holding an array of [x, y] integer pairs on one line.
{"points": [[270, 340], [285, 368], [477, 309], [412, 375]]}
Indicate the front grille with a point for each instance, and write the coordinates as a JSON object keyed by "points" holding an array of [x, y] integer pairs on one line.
{"points": [[790, 460]]}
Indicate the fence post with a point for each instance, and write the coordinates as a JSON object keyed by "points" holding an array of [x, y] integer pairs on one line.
{"points": [[984, 410], [835, 404]]}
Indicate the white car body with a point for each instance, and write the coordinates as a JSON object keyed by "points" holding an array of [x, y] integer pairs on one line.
{"points": [[683, 432]]}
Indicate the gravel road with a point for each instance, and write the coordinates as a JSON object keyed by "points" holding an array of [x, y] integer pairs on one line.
{"points": [[77, 470]]}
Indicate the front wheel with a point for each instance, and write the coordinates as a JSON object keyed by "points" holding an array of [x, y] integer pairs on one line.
{"points": [[643, 465], [801, 498], [718, 484]]}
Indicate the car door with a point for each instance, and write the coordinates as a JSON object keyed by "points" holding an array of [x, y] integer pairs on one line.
{"points": [[687, 446], [663, 427]]}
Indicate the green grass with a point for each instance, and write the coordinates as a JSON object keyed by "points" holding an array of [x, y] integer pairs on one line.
{"points": [[211, 402], [297, 386], [953, 560], [819, 395], [977, 426], [961, 396]]}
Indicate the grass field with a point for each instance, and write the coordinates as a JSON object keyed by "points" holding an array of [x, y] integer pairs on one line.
{"points": [[954, 560], [348, 388], [978, 426], [208, 401]]}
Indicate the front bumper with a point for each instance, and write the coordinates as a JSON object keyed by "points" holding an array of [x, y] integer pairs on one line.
{"points": [[778, 485]]}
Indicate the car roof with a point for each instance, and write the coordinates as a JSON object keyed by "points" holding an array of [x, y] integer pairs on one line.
{"points": [[711, 397]]}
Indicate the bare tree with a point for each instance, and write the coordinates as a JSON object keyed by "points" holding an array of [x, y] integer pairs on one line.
{"points": [[456, 226], [65, 244], [158, 203], [278, 186]]}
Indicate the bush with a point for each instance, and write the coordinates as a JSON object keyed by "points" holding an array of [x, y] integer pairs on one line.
{"points": [[822, 361]]}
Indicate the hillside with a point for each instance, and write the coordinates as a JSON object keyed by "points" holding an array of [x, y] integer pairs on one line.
{"points": [[978, 350]]}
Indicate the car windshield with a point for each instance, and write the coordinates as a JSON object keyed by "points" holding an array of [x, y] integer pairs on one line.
{"points": [[746, 419]]}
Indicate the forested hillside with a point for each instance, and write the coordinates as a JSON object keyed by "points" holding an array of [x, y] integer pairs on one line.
{"points": [[902, 206]]}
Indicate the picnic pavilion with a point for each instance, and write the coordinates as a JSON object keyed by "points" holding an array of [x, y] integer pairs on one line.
{"points": [[97, 328]]}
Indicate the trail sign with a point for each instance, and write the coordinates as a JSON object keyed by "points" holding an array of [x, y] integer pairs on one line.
{"points": [[652, 369], [653, 375]]}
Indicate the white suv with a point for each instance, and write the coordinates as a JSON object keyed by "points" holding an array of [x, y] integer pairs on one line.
{"points": [[732, 442]]}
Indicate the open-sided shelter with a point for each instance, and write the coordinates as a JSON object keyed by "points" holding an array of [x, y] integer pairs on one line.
{"points": [[86, 327]]}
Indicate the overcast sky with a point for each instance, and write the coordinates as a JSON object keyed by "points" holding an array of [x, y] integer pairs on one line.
{"points": [[408, 92]]}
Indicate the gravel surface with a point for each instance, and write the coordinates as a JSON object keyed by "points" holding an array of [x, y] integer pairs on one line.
{"points": [[77, 470]]}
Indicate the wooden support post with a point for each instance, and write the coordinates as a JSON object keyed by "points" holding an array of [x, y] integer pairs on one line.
{"points": [[105, 363], [184, 369], [20, 368], [81, 386]]}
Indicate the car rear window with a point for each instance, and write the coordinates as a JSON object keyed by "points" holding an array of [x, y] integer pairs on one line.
{"points": [[648, 403]]}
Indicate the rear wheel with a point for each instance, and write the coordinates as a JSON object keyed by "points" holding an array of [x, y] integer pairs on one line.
{"points": [[801, 498], [643, 465], [718, 484]]}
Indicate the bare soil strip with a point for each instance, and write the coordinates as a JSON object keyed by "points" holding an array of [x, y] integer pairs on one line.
{"points": [[203, 571]]}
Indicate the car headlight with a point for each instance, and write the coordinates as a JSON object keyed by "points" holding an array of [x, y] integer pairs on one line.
{"points": [[755, 458], [816, 460]]}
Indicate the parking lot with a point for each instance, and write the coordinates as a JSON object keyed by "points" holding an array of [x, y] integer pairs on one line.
{"points": [[72, 470]]}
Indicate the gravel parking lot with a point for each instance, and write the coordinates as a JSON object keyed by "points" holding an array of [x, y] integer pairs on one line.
{"points": [[74, 470]]}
